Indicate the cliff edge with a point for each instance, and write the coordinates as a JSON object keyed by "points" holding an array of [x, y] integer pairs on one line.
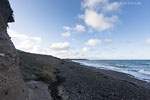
{"points": [[12, 86]]}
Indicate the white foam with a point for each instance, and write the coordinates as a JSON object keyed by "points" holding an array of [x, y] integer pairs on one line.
{"points": [[144, 72]]}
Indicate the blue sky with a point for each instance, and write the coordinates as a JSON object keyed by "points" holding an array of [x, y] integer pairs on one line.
{"points": [[95, 29]]}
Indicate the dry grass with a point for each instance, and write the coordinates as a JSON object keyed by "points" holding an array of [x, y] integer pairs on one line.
{"points": [[43, 67], [48, 77]]}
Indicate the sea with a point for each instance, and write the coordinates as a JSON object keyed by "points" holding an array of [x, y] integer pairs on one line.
{"points": [[140, 69]]}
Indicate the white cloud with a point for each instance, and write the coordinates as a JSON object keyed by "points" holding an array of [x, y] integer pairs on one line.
{"points": [[85, 49], [103, 5], [95, 14], [67, 28], [67, 34], [108, 40], [80, 28], [93, 4], [64, 52], [13, 34], [37, 39], [111, 6], [70, 53], [27, 43], [60, 46], [99, 21], [19, 36], [60, 53], [93, 42], [61, 50], [148, 41]]}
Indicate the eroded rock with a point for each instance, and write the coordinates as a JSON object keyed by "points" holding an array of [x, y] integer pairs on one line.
{"points": [[12, 86]]}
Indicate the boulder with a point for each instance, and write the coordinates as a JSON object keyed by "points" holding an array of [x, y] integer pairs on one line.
{"points": [[32, 84]]}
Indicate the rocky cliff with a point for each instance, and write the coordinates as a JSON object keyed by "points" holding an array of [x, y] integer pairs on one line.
{"points": [[12, 86]]}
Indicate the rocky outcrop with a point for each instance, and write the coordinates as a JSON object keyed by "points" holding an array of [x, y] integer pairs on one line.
{"points": [[12, 86]]}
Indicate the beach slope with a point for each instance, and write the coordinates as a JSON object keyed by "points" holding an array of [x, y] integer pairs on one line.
{"points": [[86, 83]]}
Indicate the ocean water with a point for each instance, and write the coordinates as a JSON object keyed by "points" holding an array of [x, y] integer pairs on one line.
{"points": [[140, 69]]}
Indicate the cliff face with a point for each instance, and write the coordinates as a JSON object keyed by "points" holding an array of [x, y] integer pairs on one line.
{"points": [[12, 86]]}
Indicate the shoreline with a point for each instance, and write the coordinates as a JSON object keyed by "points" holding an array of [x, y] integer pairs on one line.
{"points": [[89, 83], [107, 69], [121, 76]]}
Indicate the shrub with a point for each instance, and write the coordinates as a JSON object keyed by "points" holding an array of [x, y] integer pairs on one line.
{"points": [[46, 76]]}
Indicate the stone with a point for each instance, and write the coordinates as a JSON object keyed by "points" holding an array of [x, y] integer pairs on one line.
{"points": [[2, 54], [32, 84]]}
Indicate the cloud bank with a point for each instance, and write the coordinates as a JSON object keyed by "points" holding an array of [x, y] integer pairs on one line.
{"points": [[27, 43]]}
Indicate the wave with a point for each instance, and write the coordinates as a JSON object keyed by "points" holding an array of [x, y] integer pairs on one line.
{"points": [[142, 71], [147, 64], [121, 66]]}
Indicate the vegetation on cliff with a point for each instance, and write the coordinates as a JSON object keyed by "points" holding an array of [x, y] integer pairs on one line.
{"points": [[38, 67]]}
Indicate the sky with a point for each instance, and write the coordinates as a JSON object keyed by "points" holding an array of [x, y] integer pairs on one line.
{"points": [[91, 29]]}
